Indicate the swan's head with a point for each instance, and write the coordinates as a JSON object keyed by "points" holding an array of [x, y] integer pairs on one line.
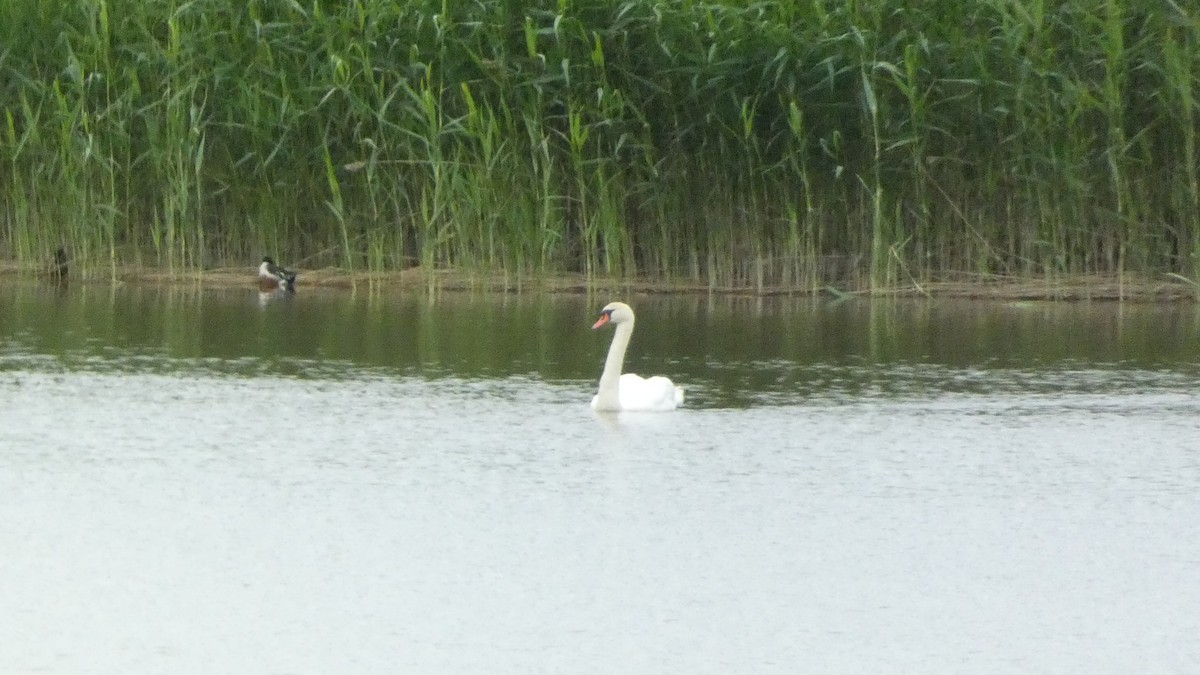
{"points": [[614, 312]]}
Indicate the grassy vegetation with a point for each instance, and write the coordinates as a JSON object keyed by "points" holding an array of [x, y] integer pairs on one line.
{"points": [[786, 143]]}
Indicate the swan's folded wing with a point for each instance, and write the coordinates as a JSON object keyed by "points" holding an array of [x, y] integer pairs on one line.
{"points": [[655, 393]]}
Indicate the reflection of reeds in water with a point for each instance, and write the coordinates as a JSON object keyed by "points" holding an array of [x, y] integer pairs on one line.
{"points": [[60, 267], [764, 145]]}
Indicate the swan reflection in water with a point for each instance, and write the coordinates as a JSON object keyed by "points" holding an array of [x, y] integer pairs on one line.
{"points": [[629, 392]]}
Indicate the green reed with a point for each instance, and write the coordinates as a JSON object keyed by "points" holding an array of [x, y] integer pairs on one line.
{"points": [[730, 144]]}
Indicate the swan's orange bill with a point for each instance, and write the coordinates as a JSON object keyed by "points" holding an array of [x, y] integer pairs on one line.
{"points": [[601, 321]]}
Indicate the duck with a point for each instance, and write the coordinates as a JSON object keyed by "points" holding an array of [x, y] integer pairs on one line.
{"points": [[629, 392], [272, 276]]}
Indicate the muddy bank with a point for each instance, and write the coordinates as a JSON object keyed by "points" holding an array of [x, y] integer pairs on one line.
{"points": [[1161, 288]]}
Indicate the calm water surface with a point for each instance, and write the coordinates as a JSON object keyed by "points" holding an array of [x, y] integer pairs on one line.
{"points": [[196, 481]]}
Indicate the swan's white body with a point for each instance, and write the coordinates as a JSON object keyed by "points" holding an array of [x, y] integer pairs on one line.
{"points": [[629, 391]]}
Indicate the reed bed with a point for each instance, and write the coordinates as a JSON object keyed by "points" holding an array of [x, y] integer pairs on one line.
{"points": [[767, 145]]}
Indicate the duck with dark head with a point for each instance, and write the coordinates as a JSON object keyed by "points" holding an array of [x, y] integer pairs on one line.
{"points": [[272, 276]]}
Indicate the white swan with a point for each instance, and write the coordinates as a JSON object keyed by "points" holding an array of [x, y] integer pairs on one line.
{"points": [[629, 391]]}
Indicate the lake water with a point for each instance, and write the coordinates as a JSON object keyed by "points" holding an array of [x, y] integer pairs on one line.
{"points": [[202, 481]]}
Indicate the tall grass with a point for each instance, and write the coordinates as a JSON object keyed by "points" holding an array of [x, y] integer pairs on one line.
{"points": [[783, 143]]}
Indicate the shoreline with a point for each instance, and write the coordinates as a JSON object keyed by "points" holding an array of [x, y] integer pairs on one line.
{"points": [[1074, 288]]}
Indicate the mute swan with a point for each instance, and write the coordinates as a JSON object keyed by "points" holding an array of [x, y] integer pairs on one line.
{"points": [[272, 276], [629, 391]]}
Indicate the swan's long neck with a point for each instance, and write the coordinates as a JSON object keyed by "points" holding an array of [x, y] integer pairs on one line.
{"points": [[609, 395]]}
